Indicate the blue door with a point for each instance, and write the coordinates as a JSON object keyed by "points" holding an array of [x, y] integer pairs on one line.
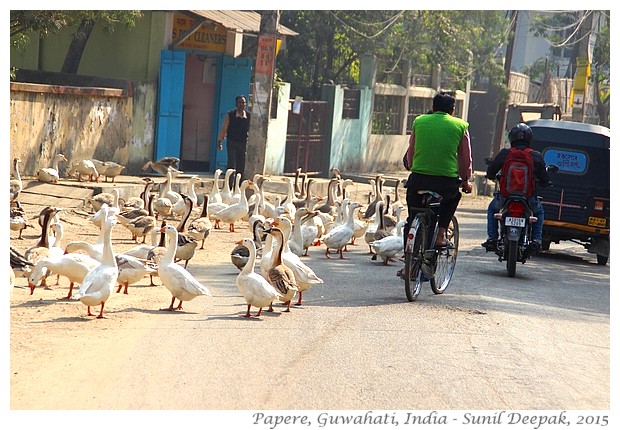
{"points": [[170, 104], [233, 80]]}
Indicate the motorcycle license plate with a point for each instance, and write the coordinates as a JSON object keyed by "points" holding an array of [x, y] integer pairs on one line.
{"points": [[514, 221]]}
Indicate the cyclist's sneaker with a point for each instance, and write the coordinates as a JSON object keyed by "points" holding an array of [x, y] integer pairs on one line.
{"points": [[448, 245], [532, 249], [401, 275], [490, 245]]}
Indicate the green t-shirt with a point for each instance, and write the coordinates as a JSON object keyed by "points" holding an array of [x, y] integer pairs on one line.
{"points": [[437, 138]]}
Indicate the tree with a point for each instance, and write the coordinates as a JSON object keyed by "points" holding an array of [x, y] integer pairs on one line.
{"points": [[601, 70], [564, 30], [45, 22], [331, 44]]}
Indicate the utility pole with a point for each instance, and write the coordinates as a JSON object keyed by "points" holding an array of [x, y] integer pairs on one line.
{"points": [[263, 84], [584, 59], [500, 118]]}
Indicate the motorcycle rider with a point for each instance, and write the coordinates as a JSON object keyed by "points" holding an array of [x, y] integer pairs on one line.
{"points": [[520, 136]]}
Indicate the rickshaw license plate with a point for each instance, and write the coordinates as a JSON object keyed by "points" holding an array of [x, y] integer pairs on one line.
{"points": [[511, 221], [597, 222]]}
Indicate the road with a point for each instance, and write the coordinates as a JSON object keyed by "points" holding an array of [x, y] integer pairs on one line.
{"points": [[540, 340]]}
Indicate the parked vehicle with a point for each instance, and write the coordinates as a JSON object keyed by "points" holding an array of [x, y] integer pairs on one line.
{"points": [[577, 206]]}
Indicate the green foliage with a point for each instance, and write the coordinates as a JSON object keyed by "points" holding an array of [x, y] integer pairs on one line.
{"points": [[331, 44], [539, 69], [25, 23]]}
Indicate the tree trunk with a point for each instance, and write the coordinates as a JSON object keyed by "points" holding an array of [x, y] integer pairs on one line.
{"points": [[76, 49]]}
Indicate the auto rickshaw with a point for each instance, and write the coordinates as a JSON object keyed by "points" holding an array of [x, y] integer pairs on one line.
{"points": [[577, 202]]}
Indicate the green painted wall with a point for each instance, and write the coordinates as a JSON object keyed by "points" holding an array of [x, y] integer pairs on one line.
{"points": [[124, 53]]}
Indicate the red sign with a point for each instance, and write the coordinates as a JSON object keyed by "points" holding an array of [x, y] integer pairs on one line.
{"points": [[266, 54]]}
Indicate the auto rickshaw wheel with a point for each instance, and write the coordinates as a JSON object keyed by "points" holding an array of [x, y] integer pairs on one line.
{"points": [[601, 259], [546, 244]]}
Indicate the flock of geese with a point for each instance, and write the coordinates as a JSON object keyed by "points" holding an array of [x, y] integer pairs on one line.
{"points": [[281, 232]]}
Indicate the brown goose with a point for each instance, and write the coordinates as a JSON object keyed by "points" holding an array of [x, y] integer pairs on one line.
{"points": [[280, 275], [142, 226], [186, 244], [42, 248], [163, 164], [16, 183], [200, 227], [240, 253]]}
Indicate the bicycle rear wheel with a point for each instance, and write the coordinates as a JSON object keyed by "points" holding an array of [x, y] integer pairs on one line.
{"points": [[414, 251], [446, 260]]}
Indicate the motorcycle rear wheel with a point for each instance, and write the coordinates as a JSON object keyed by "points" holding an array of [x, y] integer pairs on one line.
{"points": [[511, 259]]}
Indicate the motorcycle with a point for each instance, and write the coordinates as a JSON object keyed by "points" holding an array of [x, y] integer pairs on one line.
{"points": [[515, 221]]}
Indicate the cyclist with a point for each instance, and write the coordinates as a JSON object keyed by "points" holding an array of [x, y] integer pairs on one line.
{"points": [[520, 136], [439, 158]]}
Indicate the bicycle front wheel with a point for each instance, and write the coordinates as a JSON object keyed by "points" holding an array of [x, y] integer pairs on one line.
{"points": [[414, 256], [446, 260]]}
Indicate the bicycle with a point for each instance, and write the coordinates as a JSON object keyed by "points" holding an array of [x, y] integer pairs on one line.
{"points": [[422, 261]]}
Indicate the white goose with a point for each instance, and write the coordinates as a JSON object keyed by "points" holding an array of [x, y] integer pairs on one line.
{"points": [[256, 290], [304, 275], [181, 284], [287, 202], [132, 270], [75, 267], [388, 247], [84, 168], [256, 208], [268, 209], [51, 174], [339, 236], [309, 231], [237, 211], [236, 191], [111, 170], [215, 196], [297, 242], [167, 192], [110, 199], [178, 208], [99, 282], [226, 193]]}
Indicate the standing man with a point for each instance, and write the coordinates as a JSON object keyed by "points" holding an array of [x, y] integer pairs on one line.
{"points": [[439, 158], [235, 129]]}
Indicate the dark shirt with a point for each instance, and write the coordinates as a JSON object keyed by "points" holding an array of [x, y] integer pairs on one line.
{"points": [[540, 171], [238, 127]]}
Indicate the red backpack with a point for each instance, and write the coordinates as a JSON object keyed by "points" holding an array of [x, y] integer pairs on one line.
{"points": [[518, 173]]}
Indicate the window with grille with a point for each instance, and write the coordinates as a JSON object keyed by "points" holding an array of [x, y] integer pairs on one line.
{"points": [[386, 116], [351, 104], [417, 106]]}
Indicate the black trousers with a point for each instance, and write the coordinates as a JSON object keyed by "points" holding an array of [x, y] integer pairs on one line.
{"points": [[447, 187], [236, 158]]}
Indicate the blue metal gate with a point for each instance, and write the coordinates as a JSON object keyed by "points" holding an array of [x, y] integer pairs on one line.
{"points": [[170, 104]]}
